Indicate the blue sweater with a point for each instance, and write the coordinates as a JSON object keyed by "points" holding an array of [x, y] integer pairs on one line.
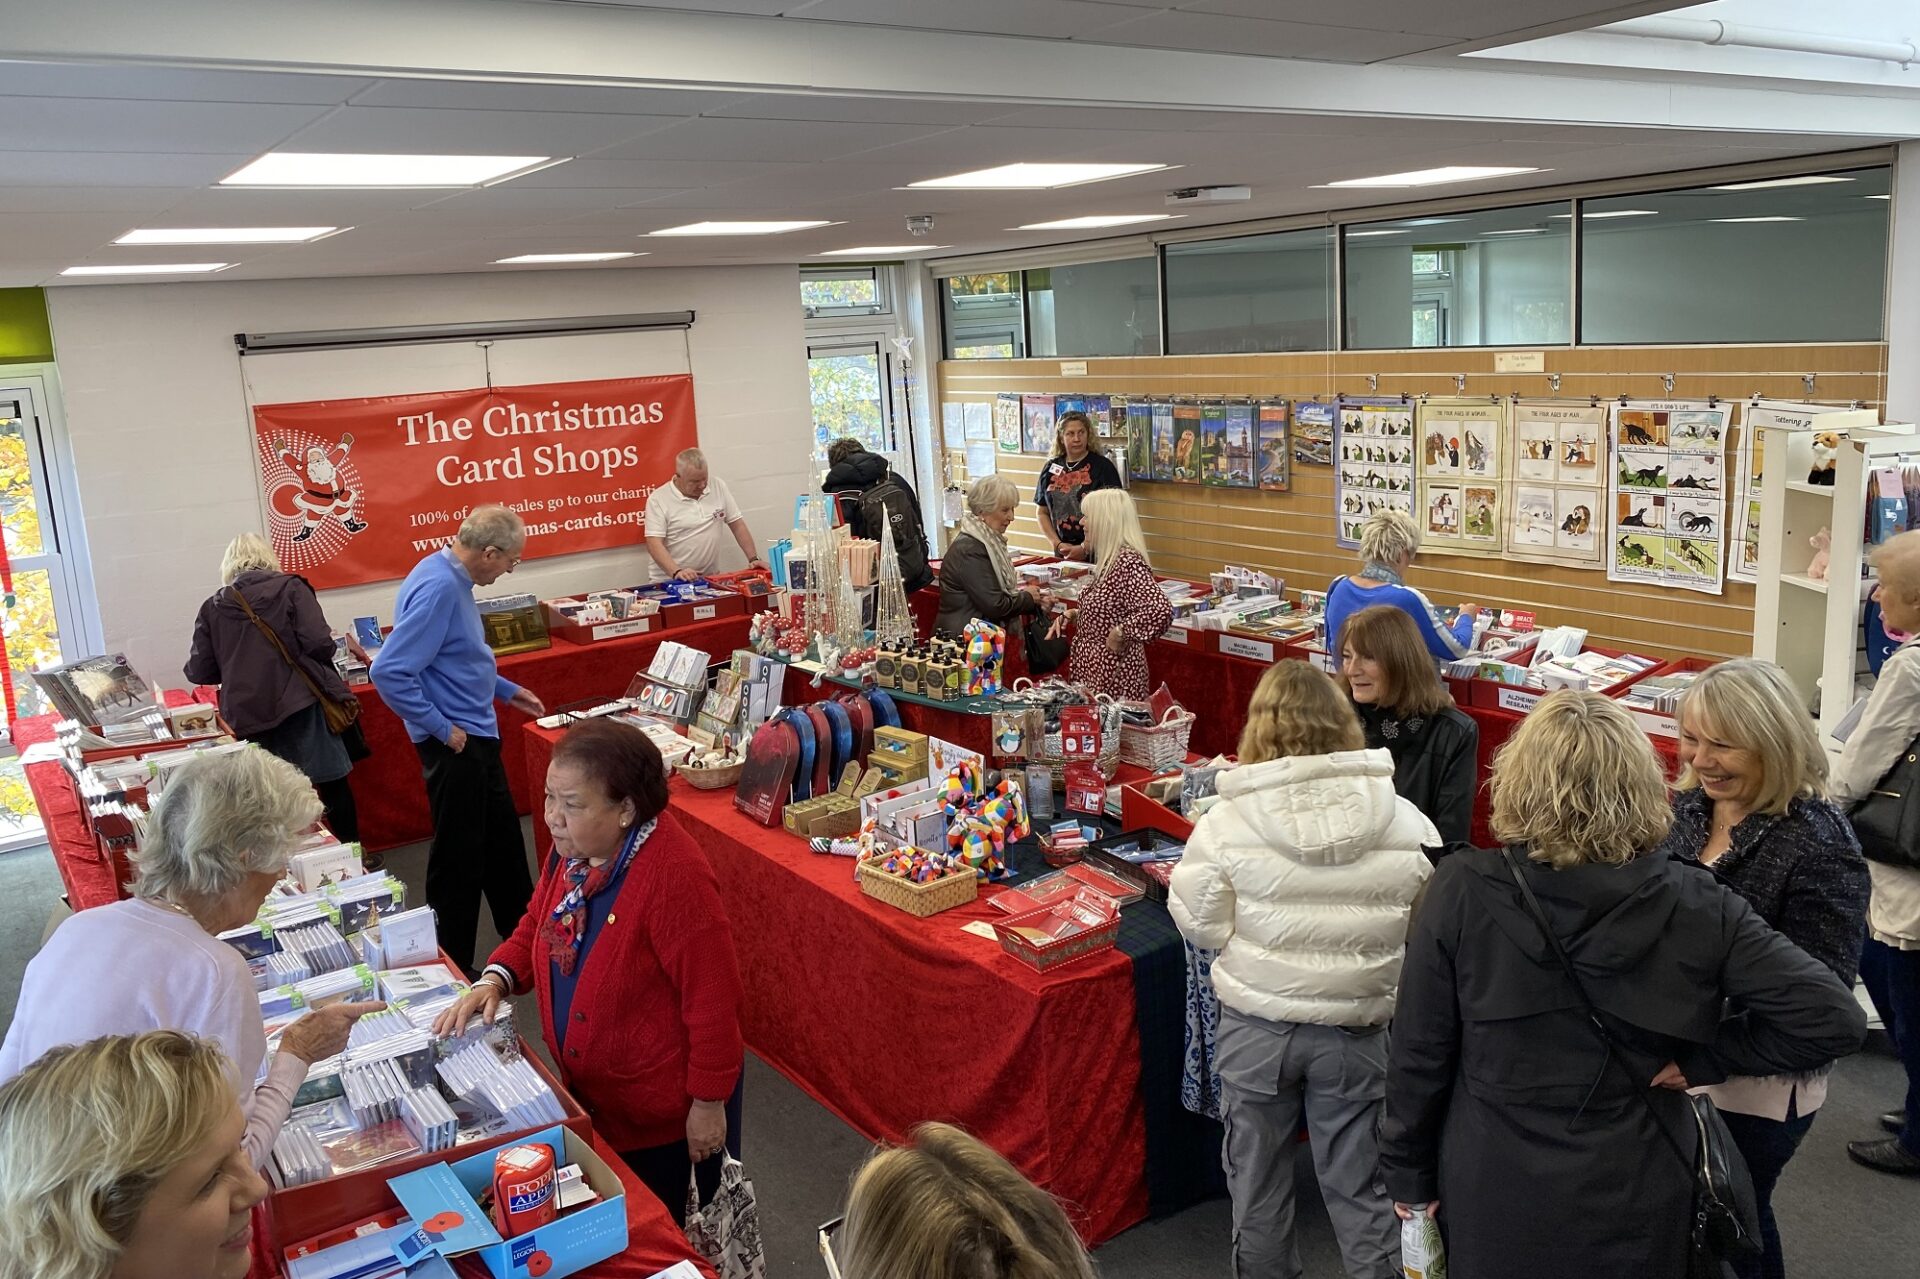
{"points": [[1345, 599], [435, 670]]}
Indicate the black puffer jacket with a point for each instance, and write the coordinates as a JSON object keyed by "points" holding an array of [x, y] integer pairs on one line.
{"points": [[848, 479], [1435, 764]]}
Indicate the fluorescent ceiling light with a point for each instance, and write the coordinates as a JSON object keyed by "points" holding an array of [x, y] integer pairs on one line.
{"points": [[231, 235], [879, 250], [1525, 230], [326, 169], [529, 258], [1035, 177], [150, 268], [1816, 179], [1876, 197], [1433, 177], [1427, 221], [1609, 213], [1774, 218], [740, 228], [1093, 221], [1361, 235]]}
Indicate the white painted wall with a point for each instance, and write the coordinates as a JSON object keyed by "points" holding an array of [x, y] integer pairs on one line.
{"points": [[157, 410]]}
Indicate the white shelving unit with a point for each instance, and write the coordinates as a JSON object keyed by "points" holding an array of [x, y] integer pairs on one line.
{"points": [[1810, 627]]}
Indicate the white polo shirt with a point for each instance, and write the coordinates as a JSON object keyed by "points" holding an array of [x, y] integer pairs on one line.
{"points": [[695, 529]]}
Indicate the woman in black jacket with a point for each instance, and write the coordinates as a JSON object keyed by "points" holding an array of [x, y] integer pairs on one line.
{"points": [[1751, 803], [976, 573], [1407, 712], [1506, 1116]]}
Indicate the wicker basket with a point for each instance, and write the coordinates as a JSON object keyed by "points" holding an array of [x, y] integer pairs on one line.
{"points": [[713, 778], [1109, 761], [1157, 746], [917, 899]]}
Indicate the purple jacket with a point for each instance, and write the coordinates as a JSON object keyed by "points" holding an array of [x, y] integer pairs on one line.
{"points": [[258, 690]]}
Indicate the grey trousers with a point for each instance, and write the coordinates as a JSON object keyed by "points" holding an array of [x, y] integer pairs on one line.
{"points": [[1269, 1070]]}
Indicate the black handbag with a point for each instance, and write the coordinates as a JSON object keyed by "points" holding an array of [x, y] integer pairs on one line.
{"points": [[1725, 1226], [1044, 656], [1887, 819]]}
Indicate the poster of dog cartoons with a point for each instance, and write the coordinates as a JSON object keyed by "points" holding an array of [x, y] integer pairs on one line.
{"points": [[1373, 453], [1667, 494], [1312, 430], [1556, 500], [1461, 447], [1273, 468]]}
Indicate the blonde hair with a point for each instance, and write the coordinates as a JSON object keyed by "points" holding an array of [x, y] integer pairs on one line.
{"points": [[246, 553], [1578, 784], [1112, 522], [1750, 706], [222, 816], [1297, 710], [1387, 635], [946, 1206], [1388, 537], [1094, 443], [87, 1133]]}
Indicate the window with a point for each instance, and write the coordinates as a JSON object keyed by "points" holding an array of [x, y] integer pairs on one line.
{"points": [[1096, 308], [1252, 293], [1762, 262], [847, 386], [842, 290], [1502, 277], [984, 320]]}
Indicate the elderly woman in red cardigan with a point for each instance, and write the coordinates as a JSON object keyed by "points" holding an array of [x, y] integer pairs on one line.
{"points": [[629, 952]]}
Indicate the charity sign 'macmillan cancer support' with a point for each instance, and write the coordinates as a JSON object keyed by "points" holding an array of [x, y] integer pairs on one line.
{"points": [[357, 490]]}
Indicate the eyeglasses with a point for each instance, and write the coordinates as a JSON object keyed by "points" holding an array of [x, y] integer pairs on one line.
{"points": [[513, 561], [827, 1232]]}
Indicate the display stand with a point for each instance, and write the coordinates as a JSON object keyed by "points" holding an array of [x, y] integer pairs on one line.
{"points": [[1809, 626]]}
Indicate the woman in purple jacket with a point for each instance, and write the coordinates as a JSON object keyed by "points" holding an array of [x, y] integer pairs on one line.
{"points": [[263, 698]]}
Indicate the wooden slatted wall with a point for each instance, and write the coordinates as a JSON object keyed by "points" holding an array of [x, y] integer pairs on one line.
{"points": [[1193, 531]]}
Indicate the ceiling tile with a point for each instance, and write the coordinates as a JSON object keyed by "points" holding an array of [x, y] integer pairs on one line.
{"points": [[257, 206], [984, 146], [1262, 37], [1045, 19], [83, 124], [115, 168], [525, 202], [63, 80], [53, 199], [467, 95], [644, 174], [764, 140], [432, 130], [856, 110]]}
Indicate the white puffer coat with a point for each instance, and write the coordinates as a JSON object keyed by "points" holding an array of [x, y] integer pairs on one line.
{"points": [[1303, 877]]}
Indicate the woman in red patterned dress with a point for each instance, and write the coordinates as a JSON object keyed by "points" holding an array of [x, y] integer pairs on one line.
{"points": [[1123, 609]]}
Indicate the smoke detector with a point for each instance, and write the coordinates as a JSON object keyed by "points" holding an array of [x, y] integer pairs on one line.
{"points": [[919, 224], [1209, 195]]}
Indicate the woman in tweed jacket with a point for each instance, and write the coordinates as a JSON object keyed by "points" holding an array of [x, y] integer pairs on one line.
{"points": [[1751, 805]]}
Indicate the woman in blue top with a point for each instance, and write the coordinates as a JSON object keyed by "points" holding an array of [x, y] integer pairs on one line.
{"points": [[1388, 541]]}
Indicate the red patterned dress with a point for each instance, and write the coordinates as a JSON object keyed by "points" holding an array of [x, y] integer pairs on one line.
{"points": [[1126, 596]]}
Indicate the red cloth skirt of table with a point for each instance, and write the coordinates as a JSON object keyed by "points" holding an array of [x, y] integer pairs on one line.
{"points": [[387, 787], [888, 1020], [653, 1241]]}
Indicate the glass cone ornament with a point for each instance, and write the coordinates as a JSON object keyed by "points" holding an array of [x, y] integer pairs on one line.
{"points": [[892, 620]]}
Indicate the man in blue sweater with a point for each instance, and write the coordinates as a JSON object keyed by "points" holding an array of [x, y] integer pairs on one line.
{"points": [[439, 676]]}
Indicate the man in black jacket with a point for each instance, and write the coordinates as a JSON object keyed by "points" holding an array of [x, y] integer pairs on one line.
{"points": [[863, 485]]}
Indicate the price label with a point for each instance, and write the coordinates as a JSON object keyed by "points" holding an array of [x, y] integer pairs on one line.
{"points": [[1322, 661], [632, 626], [701, 612], [1175, 635], [1240, 646], [1514, 699]]}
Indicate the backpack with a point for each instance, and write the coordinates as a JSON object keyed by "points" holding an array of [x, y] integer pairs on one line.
{"points": [[884, 504]]}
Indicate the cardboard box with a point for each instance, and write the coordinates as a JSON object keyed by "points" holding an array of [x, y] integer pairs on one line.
{"points": [[446, 1195], [898, 747], [572, 631]]}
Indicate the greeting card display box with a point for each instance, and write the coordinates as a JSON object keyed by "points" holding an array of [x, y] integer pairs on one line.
{"points": [[686, 608], [567, 629], [1142, 808], [1491, 694], [1654, 723], [444, 1199]]}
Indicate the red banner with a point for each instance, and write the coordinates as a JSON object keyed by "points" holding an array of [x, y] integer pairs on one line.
{"points": [[359, 490]]}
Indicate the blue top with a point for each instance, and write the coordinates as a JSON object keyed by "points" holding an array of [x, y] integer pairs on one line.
{"points": [[599, 906], [435, 670], [1344, 599]]}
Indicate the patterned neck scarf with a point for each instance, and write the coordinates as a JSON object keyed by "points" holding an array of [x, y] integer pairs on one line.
{"points": [[567, 926], [1374, 572]]}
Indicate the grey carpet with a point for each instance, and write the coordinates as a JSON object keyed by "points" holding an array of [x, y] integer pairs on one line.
{"points": [[1837, 1219]]}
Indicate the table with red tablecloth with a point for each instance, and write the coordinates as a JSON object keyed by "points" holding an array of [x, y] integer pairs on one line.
{"points": [[889, 1020]]}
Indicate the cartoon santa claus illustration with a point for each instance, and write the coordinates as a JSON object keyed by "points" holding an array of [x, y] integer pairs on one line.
{"points": [[320, 492]]}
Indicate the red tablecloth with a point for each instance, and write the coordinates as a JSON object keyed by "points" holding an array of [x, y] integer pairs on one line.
{"points": [[888, 1020], [387, 787]]}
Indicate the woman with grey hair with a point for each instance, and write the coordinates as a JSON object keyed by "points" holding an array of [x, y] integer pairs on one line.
{"points": [[263, 639], [217, 840], [976, 575], [1388, 542]]}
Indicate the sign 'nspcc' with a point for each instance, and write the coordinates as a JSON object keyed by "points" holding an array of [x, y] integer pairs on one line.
{"points": [[358, 490]]}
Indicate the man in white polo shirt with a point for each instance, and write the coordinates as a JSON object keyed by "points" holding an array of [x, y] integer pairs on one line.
{"points": [[690, 520]]}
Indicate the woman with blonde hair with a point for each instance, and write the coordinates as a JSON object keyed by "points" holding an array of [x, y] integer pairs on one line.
{"points": [[263, 639], [1123, 609], [1388, 542], [1751, 803], [946, 1206], [1303, 878], [1499, 1080], [1079, 467], [121, 1159], [1407, 712]]}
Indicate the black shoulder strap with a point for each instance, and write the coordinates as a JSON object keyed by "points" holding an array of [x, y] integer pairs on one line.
{"points": [[1599, 1027]]}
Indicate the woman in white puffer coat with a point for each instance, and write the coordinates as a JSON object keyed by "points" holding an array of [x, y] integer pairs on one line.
{"points": [[1304, 877]]}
